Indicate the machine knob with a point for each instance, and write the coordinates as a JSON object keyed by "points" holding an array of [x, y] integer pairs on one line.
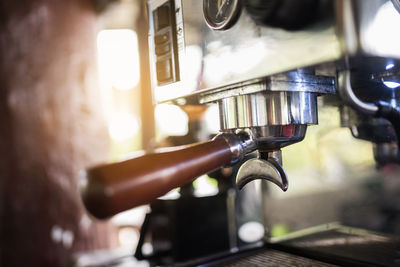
{"points": [[286, 14]]}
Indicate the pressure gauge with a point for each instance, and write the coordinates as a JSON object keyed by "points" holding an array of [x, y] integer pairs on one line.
{"points": [[221, 14]]}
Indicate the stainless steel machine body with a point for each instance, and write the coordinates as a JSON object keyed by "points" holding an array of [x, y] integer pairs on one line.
{"points": [[204, 59], [265, 62]]}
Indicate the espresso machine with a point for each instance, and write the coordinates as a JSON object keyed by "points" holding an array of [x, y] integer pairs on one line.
{"points": [[269, 66]]}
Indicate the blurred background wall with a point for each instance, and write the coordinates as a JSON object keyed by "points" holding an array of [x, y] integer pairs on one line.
{"points": [[51, 127]]}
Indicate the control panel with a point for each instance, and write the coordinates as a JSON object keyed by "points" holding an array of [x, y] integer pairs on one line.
{"points": [[164, 43]]}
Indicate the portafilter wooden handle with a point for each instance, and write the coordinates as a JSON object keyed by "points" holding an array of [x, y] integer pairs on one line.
{"points": [[112, 188]]}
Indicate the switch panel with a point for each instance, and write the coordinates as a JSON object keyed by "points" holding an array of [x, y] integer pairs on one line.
{"points": [[165, 43]]}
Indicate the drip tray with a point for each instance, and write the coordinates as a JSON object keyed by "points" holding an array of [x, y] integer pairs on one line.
{"points": [[270, 257], [326, 245]]}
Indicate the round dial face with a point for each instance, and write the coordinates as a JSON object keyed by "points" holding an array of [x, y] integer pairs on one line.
{"points": [[221, 14]]}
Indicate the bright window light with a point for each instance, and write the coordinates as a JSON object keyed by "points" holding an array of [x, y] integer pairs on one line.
{"points": [[171, 120], [205, 186], [123, 126], [251, 232], [212, 119], [118, 59]]}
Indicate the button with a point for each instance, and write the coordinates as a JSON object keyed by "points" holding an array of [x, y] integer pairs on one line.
{"points": [[163, 49], [162, 38], [164, 70], [163, 17]]}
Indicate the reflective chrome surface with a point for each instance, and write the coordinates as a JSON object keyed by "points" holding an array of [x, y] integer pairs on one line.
{"points": [[267, 109], [271, 138], [292, 81], [347, 94], [268, 140], [240, 143], [268, 170], [269, 164], [210, 60]]}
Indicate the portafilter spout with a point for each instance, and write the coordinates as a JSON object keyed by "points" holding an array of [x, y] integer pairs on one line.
{"points": [[267, 167]]}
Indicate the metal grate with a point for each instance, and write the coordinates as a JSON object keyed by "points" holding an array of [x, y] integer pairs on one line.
{"points": [[272, 258]]}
